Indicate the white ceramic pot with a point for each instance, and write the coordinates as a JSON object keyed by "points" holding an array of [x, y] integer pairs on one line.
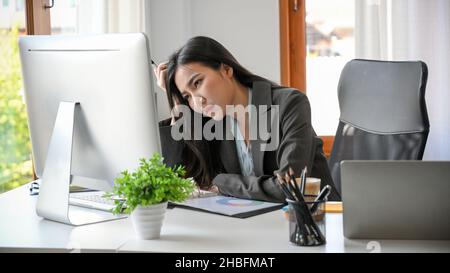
{"points": [[147, 221]]}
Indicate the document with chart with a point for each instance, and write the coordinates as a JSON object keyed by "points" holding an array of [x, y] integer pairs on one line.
{"points": [[229, 206]]}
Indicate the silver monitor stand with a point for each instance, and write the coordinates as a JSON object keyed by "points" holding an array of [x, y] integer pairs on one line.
{"points": [[53, 199]]}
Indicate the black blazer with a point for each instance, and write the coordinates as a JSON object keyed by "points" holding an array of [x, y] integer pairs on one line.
{"points": [[298, 146]]}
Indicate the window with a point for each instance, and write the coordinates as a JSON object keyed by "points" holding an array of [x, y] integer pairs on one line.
{"points": [[20, 5], [330, 45], [5, 3], [15, 149], [64, 17], [70, 16], [86, 16]]}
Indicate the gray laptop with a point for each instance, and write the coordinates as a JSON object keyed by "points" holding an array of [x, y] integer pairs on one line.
{"points": [[396, 199]]}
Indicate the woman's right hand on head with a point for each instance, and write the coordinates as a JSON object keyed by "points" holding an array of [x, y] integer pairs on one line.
{"points": [[160, 73]]}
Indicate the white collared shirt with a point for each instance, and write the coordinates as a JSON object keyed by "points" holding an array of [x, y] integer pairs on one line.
{"points": [[244, 151]]}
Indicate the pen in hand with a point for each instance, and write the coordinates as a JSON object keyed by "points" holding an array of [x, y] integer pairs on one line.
{"points": [[154, 64]]}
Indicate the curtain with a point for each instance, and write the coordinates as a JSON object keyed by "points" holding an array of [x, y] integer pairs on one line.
{"points": [[110, 16], [413, 30]]}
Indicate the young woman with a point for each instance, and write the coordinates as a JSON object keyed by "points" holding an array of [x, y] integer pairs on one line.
{"points": [[204, 76]]}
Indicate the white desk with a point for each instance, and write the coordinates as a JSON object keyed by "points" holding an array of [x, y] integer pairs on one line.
{"points": [[22, 230], [183, 231], [191, 231]]}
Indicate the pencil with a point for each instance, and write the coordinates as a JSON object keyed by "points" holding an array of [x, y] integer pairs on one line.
{"points": [[322, 195], [291, 187], [292, 175], [283, 187], [303, 179]]}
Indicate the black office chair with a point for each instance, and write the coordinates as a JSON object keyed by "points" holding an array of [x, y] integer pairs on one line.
{"points": [[383, 113]]}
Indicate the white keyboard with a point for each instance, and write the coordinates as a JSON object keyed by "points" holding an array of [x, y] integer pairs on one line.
{"points": [[93, 200]]}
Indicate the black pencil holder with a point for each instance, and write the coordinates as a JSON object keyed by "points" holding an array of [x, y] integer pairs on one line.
{"points": [[306, 228]]}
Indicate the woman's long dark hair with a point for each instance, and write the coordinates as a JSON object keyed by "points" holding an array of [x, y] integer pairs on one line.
{"points": [[201, 156]]}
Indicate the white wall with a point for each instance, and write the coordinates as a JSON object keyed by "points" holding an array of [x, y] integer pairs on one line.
{"points": [[248, 29]]}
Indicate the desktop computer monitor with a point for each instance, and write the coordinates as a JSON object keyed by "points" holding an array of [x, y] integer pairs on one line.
{"points": [[91, 108]]}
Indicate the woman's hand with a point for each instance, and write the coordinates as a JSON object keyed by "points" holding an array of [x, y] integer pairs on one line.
{"points": [[161, 74], [214, 189]]}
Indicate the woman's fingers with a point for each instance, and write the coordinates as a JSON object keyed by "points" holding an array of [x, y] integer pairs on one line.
{"points": [[160, 73], [160, 67], [214, 189]]}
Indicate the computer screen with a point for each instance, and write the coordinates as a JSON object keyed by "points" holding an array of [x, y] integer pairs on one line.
{"points": [[110, 76]]}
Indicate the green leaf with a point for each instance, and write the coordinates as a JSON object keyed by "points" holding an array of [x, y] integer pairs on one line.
{"points": [[151, 183]]}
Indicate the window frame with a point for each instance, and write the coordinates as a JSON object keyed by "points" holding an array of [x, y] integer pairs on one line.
{"points": [[37, 17], [293, 52], [37, 23]]}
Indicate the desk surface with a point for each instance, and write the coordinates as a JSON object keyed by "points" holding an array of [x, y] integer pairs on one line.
{"points": [[22, 230], [183, 231]]}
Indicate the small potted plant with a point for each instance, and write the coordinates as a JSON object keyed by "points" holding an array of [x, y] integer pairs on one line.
{"points": [[145, 193]]}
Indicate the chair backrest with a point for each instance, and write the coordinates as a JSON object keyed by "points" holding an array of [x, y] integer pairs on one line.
{"points": [[383, 113]]}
